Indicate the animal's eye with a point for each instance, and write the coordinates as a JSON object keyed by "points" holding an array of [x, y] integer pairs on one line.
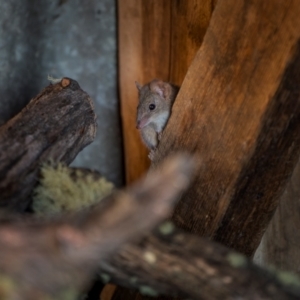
{"points": [[152, 106]]}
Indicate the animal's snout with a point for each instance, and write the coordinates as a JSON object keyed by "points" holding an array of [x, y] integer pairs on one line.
{"points": [[142, 122]]}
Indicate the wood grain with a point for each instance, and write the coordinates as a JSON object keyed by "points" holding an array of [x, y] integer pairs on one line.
{"points": [[234, 90], [157, 39], [144, 43], [264, 178], [130, 62], [189, 22]]}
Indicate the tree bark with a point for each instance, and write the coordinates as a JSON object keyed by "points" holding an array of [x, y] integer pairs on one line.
{"points": [[55, 258], [181, 264], [238, 110], [55, 125]]}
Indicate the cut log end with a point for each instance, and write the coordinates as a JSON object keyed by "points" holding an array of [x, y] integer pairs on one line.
{"points": [[65, 82]]}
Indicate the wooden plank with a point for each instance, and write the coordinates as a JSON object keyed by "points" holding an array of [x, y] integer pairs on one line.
{"points": [[130, 62], [190, 20], [144, 28], [264, 178], [222, 113], [157, 39], [156, 22]]}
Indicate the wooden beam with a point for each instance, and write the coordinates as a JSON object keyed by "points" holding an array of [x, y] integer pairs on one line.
{"points": [[263, 180], [189, 22], [234, 112], [157, 39], [144, 44], [130, 62]]}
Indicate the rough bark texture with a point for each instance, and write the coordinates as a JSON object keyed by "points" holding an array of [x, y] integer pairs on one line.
{"points": [[55, 258], [238, 109], [157, 39], [181, 264], [34, 45], [55, 125]]}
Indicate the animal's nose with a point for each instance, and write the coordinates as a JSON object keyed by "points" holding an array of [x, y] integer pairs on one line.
{"points": [[138, 125]]}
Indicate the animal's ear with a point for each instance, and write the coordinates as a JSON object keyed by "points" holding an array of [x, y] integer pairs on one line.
{"points": [[162, 88], [138, 86]]}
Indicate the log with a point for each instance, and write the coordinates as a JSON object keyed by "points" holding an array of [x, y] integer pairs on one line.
{"points": [[239, 110], [149, 267], [173, 262], [55, 258], [157, 39], [55, 125]]}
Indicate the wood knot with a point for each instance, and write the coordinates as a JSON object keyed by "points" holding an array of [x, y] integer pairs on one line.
{"points": [[65, 82]]}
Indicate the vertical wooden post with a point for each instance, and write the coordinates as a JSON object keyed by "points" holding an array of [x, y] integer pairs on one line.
{"points": [[144, 44], [157, 39], [189, 22], [239, 110]]}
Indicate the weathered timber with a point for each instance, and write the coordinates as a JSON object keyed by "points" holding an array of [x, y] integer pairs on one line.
{"points": [[234, 111], [55, 258], [181, 264], [141, 59], [281, 242], [158, 39], [263, 180], [189, 22], [55, 125]]}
